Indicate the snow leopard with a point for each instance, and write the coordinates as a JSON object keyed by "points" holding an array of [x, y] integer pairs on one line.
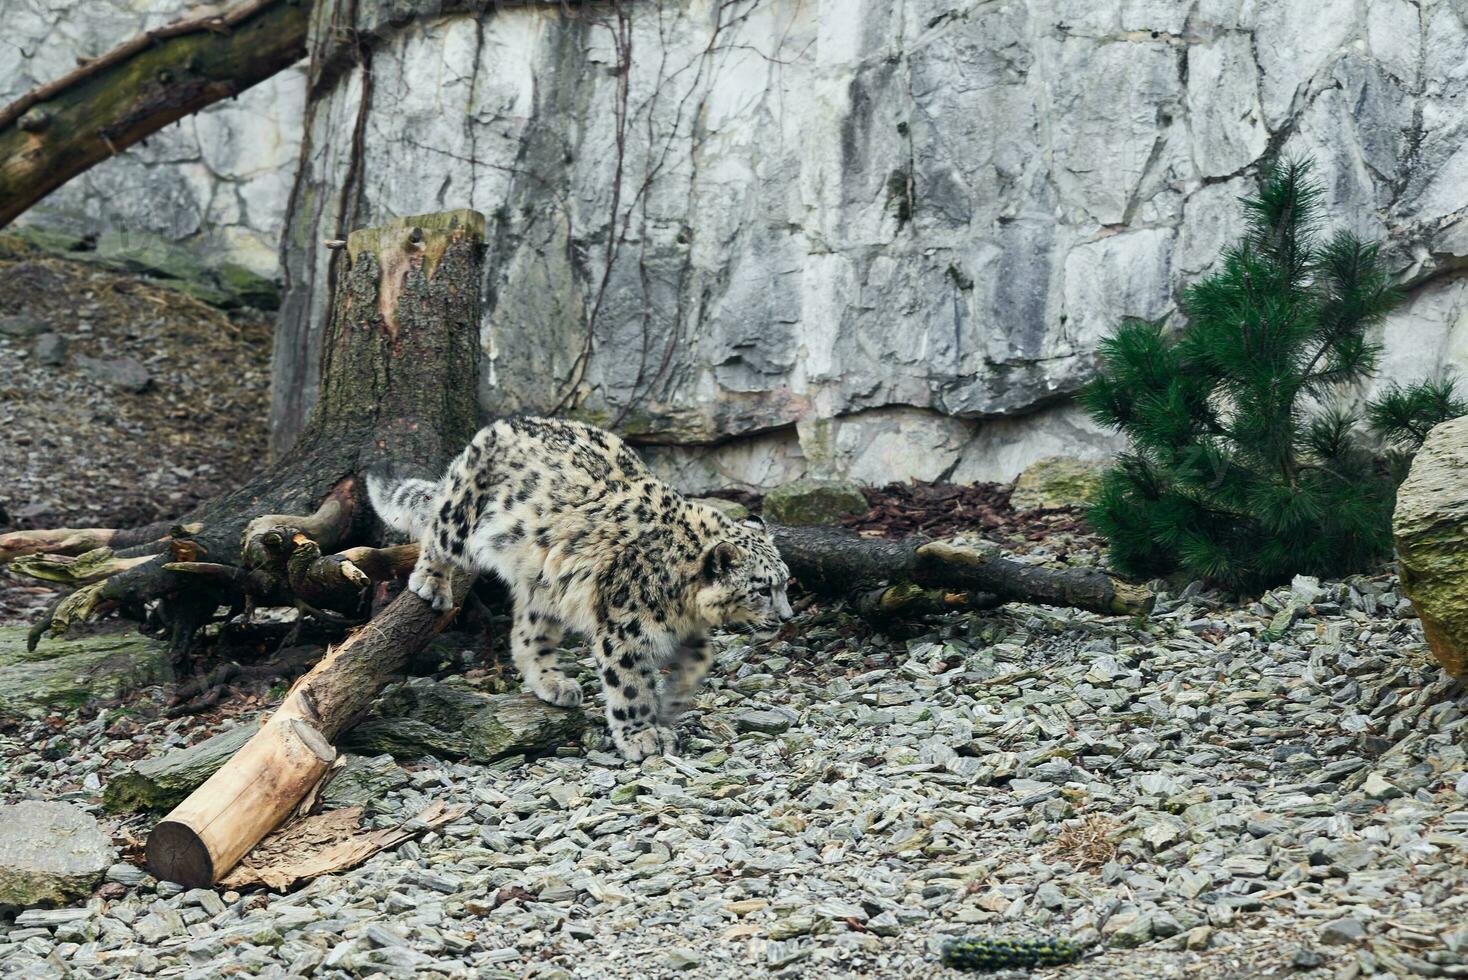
{"points": [[588, 540]]}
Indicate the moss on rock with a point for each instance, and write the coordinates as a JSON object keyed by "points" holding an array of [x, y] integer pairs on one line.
{"points": [[1430, 527], [1057, 481], [161, 783], [427, 717], [813, 503], [68, 673]]}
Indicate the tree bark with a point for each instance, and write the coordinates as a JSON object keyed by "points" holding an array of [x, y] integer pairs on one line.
{"points": [[56, 131], [838, 562], [399, 384]]}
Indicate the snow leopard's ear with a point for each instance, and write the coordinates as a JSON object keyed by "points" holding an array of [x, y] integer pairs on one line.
{"points": [[753, 520], [719, 560]]}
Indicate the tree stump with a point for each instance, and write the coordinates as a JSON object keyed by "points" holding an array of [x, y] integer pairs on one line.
{"points": [[398, 385]]}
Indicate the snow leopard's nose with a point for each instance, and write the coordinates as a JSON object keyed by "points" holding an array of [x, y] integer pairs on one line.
{"points": [[783, 610]]}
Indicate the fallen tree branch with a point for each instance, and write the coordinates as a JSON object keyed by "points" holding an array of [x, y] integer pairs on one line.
{"points": [[60, 129], [202, 693], [896, 601], [406, 395], [89, 566], [838, 562], [79, 540]]}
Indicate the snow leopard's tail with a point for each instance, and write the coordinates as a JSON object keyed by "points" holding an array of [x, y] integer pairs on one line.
{"points": [[404, 505]]}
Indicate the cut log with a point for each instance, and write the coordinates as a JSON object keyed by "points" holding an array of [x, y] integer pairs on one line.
{"points": [[838, 562], [209, 832], [56, 131], [206, 834]]}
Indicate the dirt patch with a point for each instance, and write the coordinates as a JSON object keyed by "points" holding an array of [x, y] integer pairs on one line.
{"points": [[89, 441]]}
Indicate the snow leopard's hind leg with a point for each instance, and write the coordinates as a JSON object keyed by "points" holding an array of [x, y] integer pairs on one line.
{"points": [[685, 675], [533, 647]]}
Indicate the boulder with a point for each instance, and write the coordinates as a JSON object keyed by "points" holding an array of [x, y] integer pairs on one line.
{"points": [[246, 288], [427, 717], [56, 241], [21, 325], [812, 503], [150, 254], [1057, 481], [50, 854], [50, 349], [126, 373], [67, 673], [363, 781], [162, 782], [1430, 527]]}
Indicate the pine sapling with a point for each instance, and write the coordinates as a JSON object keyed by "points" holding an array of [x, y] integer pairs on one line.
{"points": [[1244, 467]]}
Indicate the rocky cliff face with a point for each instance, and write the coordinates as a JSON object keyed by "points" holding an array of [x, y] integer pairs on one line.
{"points": [[872, 238]]}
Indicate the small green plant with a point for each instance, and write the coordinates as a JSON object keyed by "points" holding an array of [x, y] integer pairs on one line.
{"points": [[1243, 470], [1403, 416]]}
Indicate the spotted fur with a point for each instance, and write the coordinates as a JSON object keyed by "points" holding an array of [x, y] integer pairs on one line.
{"points": [[589, 540]]}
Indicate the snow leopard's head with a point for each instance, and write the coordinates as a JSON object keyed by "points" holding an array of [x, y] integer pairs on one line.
{"points": [[742, 580]]}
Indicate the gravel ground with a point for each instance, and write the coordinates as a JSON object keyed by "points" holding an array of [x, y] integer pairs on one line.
{"points": [[1225, 790]]}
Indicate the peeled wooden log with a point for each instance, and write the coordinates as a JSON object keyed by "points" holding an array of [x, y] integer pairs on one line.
{"points": [[397, 383], [211, 830], [60, 129], [261, 785], [838, 562]]}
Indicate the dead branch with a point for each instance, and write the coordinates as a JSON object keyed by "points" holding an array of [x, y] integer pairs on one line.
{"points": [[60, 129], [79, 540], [838, 562], [89, 566]]}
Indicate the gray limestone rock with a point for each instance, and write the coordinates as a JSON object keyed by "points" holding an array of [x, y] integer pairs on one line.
{"points": [[126, 373], [807, 503], [50, 854], [891, 258]]}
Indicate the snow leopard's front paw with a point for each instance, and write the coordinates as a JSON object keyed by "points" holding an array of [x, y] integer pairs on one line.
{"points": [[673, 708], [646, 742], [432, 587], [559, 691]]}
